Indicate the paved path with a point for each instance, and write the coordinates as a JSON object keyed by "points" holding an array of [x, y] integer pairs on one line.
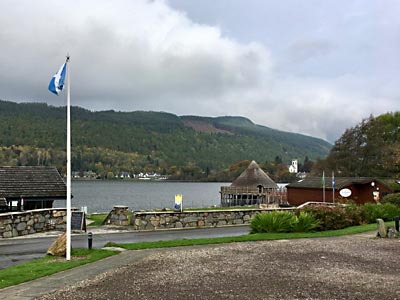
{"points": [[36, 288], [25, 248]]}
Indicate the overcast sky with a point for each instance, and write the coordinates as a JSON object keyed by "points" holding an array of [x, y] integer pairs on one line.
{"points": [[313, 67]]}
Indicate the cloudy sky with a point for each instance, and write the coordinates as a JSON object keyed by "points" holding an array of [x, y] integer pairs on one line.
{"points": [[313, 67]]}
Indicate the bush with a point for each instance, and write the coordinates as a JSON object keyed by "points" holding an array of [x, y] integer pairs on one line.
{"points": [[392, 198], [330, 218], [354, 214], [305, 222], [281, 221], [275, 221], [385, 211], [323, 218]]}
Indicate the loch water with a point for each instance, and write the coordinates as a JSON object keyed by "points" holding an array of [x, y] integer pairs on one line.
{"points": [[102, 195]]}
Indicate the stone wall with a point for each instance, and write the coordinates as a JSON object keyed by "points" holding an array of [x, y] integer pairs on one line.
{"points": [[40, 220], [118, 216], [192, 219]]}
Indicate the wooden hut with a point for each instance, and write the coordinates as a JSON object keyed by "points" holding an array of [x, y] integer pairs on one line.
{"points": [[358, 189], [31, 187], [252, 187]]}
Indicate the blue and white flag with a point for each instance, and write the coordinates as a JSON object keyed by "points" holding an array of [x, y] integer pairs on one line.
{"points": [[57, 82]]}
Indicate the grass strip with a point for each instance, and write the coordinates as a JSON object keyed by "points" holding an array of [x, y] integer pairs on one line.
{"points": [[49, 265], [247, 238], [96, 218]]}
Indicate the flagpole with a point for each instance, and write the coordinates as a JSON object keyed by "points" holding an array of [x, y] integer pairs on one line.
{"points": [[333, 187], [323, 185], [68, 231]]}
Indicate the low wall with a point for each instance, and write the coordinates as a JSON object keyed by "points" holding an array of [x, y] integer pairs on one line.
{"points": [[192, 219], [118, 216], [40, 220]]}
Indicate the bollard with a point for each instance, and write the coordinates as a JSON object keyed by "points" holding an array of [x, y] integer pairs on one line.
{"points": [[396, 222], [90, 240]]}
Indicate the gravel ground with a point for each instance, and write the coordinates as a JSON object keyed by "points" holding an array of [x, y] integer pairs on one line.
{"points": [[352, 267]]}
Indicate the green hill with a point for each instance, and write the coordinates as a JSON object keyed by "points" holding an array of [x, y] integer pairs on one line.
{"points": [[109, 141]]}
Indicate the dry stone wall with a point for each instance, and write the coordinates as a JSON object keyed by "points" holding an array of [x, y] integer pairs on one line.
{"points": [[193, 219], [118, 216], [40, 220]]}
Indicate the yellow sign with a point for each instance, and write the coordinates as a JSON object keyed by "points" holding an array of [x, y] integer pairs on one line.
{"points": [[178, 202]]}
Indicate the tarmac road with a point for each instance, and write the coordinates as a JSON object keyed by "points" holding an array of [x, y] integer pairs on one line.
{"points": [[17, 250]]}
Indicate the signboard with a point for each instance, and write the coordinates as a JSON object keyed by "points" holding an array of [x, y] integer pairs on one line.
{"points": [[178, 203], [78, 221], [345, 193]]}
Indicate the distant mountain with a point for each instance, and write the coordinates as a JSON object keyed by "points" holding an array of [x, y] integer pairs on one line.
{"points": [[110, 141]]}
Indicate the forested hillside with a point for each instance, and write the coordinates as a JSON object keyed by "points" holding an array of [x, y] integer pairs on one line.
{"points": [[372, 148], [187, 147]]}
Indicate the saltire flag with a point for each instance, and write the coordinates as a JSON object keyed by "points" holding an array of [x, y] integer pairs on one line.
{"points": [[323, 179], [57, 82], [333, 180]]}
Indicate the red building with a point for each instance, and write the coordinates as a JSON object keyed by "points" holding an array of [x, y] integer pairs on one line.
{"points": [[360, 190]]}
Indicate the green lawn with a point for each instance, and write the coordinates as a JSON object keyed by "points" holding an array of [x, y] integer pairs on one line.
{"points": [[49, 265], [248, 238], [96, 218]]}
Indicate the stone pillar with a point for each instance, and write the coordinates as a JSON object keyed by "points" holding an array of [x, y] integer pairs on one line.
{"points": [[118, 216]]}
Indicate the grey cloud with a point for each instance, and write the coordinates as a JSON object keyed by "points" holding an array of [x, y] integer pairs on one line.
{"points": [[141, 55]]}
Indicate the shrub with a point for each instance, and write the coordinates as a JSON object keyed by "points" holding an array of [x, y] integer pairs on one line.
{"points": [[275, 221], [330, 218], [385, 211], [305, 222], [392, 198], [354, 214]]}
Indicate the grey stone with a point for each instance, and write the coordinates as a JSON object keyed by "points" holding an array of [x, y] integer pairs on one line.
{"points": [[14, 232], [155, 223], [246, 218], [7, 234], [190, 219], [178, 225], [381, 228], [221, 223], [21, 226], [238, 221], [392, 233], [38, 226], [123, 217], [7, 221], [149, 226], [221, 217]]}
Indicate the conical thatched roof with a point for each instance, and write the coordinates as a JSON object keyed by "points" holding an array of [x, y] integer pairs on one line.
{"points": [[254, 176]]}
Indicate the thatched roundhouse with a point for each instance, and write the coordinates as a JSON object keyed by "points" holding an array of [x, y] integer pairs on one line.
{"points": [[252, 187]]}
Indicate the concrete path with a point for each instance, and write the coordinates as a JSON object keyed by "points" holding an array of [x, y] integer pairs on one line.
{"points": [[38, 287]]}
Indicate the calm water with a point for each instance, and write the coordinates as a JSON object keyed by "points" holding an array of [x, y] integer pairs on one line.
{"points": [[101, 196]]}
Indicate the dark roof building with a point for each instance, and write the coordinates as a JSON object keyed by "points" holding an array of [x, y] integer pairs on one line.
{"points": [[252, 187], [32, 187], [254, 177], [358, 189]]}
